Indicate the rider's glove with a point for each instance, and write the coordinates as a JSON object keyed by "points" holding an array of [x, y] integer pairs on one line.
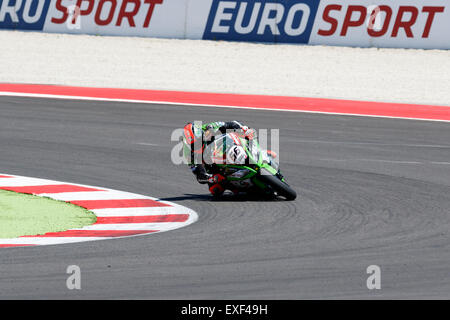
{"points": [[248, 132]]}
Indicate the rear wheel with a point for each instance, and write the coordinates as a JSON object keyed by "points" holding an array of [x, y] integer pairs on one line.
{"points": [[280, 187]]}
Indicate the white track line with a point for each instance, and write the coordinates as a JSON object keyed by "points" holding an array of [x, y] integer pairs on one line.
{"points": [[123, 212], [26, 182], [92, 195], [51, 96]]}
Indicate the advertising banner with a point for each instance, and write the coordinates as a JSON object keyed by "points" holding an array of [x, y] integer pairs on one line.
{"points": [[360, 23]]}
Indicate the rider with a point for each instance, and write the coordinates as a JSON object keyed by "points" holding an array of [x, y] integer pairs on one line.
{"points": [[196, 137]]}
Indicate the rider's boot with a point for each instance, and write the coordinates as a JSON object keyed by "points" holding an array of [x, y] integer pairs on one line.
{"points": [[216, 190], [200, 172]]}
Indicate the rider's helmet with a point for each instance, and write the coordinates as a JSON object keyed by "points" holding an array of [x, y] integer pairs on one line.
{"points": [[193, 136], [236, 155]]}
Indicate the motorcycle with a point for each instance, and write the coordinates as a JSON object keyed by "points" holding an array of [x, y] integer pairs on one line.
{"points": [[259, 173]]}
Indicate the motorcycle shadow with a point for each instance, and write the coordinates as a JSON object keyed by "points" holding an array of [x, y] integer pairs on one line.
{"points": [[227, 197]]}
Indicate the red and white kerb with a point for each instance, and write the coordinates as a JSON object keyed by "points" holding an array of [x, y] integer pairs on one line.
{"points": [[119, 213]]}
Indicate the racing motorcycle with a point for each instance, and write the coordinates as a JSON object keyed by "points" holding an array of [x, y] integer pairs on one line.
{"points": [[246, 167]]}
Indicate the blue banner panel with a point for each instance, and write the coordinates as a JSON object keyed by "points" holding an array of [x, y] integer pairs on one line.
{"points": [[23, 14], [288, 21]]}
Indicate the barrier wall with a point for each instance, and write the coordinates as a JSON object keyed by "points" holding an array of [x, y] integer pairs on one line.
{"points": [[362, 23]]}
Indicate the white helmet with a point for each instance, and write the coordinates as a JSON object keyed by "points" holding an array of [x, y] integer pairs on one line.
{"points": [[236, 155]]}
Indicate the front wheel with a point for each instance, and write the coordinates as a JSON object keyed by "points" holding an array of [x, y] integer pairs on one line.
{"points": [[280, 187]]}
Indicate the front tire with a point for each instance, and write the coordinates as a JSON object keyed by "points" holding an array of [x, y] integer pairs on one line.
{"points": [[280, 187]]}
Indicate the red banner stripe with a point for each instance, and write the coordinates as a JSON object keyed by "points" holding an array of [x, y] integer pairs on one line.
{"points": [[92, 233], [143, 219], [57, 188], [122, 203], [2, 176]]}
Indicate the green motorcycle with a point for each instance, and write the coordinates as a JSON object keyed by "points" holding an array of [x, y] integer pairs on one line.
{"points": [[246, 166]]}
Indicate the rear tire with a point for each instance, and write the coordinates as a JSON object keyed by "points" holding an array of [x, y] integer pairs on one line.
{"points": [[280, 187]]}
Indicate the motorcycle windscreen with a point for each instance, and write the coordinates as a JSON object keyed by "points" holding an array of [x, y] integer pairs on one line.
{"points": [[216, 151]]}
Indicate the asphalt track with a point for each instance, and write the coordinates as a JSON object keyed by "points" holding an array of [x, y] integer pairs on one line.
{"points": [[371, 191]]}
